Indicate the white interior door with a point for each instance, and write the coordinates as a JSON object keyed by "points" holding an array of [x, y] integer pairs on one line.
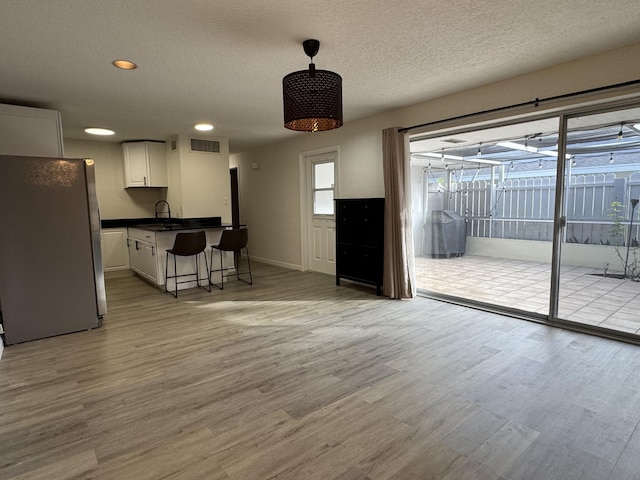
{"points": [[321, 181]]}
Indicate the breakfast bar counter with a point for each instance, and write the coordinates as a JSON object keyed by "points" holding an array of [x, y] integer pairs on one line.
{"points": [[149, 239], [158, 224]]}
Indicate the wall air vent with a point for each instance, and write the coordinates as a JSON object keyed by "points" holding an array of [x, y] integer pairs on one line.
{"points": [[203, 145], [174, 145]]}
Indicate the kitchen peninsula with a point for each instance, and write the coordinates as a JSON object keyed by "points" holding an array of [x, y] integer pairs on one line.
{"points": [[148, 239]]}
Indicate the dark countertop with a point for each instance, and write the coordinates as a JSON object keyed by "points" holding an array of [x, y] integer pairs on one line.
{"points": [[164, 224], [176, 227]]}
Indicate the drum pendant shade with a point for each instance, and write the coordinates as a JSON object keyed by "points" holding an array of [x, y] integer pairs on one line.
{"points": [[312, 99]]}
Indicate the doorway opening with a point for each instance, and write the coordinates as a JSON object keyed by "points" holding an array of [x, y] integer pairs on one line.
{"points": [[318, 191], [235, 198]]}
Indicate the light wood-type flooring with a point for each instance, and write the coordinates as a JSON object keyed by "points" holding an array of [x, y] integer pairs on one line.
{"points": [[295, 378]]}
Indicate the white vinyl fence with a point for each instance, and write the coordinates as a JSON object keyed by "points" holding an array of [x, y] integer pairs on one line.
{"points": [[523, 208]]}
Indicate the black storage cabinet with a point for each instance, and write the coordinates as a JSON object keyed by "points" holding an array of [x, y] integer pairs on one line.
{"points": [[360, 240], [445, 234]]}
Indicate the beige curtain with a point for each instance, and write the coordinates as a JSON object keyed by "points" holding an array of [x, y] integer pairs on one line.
{"points": [[399, 261]]}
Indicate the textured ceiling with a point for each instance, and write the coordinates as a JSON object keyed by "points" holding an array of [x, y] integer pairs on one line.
{"points": [[223, 61]]}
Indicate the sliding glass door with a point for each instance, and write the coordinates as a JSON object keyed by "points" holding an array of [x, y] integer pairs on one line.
{"points": [[485, 221], [600, 258], [487, 213]]}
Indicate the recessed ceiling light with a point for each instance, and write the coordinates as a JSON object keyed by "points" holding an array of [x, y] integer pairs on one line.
{"points": [[203, 127], [124, 64], [99, 131]]}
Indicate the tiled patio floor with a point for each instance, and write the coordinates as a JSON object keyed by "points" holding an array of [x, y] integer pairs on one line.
{"points": [[584, 297]]}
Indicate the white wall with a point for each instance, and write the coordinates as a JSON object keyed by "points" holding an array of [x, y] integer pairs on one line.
{"points": [[574, 254], [174, 190], [269, 196], [527, 250], [115, 201], [199, 183], [205, 182]]}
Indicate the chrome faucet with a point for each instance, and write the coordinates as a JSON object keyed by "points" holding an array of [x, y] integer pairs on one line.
{"points": [[168, 212]]}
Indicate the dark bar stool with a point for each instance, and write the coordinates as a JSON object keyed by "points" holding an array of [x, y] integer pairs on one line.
{"points": [[232, 241], [186, 244]]}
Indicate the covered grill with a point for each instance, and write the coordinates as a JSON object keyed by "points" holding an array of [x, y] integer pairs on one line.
{"points": [[445, 234]]}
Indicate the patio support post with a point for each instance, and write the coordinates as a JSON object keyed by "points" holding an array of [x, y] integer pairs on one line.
{"points": [[492, 197], [449, 189], [566, 200], [634, 203]]}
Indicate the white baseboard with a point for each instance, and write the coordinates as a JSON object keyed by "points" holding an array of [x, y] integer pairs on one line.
{"points": [[277, 263], [117, 269]]}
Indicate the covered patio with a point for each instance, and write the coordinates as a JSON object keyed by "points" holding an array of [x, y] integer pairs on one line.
{"points": [[586, 296]]}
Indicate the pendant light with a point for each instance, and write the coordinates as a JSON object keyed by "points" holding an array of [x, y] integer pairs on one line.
{"points": [[312, 98]]}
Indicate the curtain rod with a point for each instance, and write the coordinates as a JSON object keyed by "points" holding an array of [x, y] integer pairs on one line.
{"points": [[535, 103]]}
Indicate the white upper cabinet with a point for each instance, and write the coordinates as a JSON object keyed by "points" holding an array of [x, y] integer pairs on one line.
{"points": [[30, 131], [145, 164]]}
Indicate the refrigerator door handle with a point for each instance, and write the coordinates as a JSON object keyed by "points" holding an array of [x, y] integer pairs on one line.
{"points": [[96, 233]]}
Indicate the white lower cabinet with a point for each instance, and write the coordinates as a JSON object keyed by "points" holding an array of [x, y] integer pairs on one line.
{"points": [[143, 254], [135, 258], [143, 257], [115, 254], [148, 256], [150, 262]]}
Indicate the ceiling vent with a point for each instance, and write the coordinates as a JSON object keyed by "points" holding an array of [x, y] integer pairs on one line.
{"points": [[204, 146]]}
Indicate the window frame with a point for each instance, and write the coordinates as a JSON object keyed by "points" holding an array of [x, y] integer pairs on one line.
{"points": [[315, 215]]}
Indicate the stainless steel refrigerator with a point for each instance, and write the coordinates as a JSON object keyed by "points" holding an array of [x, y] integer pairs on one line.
{"points": [[51, 275]]}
